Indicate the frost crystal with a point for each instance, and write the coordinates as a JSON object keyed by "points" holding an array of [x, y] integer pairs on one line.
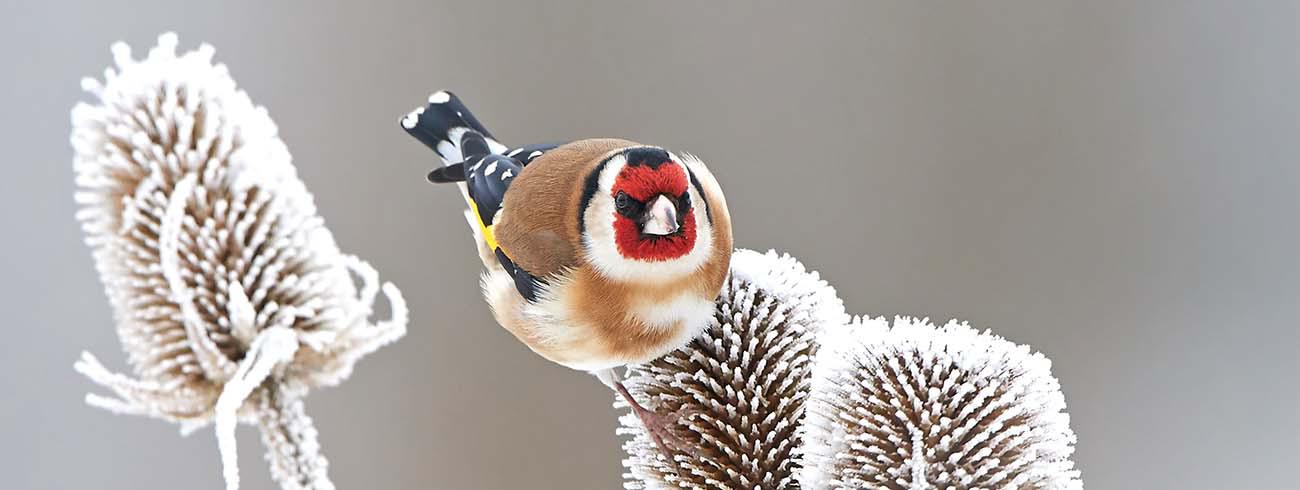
{"points": [[230, 296], [786, 392], [920, 407], [745, 379]]}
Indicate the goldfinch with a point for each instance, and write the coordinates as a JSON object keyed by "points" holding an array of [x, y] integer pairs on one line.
{"points": [[599, 253]]}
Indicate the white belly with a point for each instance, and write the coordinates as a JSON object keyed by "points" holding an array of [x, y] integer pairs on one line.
{"points": [[548, 329]]}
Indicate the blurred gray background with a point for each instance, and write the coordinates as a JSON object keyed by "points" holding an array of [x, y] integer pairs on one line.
{"points": [[1111, 182]]}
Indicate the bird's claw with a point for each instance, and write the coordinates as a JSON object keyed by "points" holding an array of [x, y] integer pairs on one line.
{"points": [[660, 428]]}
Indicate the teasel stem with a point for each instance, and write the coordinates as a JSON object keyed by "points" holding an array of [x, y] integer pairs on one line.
{"points": [[290, 437]]}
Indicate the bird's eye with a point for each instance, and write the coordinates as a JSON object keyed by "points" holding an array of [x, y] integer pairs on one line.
{"points": [[623, 202]]}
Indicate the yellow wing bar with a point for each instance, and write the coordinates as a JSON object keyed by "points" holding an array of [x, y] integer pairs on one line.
{"points": [[488, 235]]}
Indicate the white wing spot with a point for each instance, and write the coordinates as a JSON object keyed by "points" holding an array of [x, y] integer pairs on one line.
{"points": [[492, 167], [439, 97], [505, 175], [514, 152], [534, 154]]}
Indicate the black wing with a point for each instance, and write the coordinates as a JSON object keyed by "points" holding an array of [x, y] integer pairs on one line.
{"points": [[487, 177], [472, 156], [526, 154]]}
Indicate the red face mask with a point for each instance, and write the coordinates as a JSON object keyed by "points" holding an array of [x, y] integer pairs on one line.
{"points": [[641, 184]]}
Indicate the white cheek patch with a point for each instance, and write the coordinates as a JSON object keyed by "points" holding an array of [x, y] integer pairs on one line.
{"points": [[602, 248], [598, 235]]}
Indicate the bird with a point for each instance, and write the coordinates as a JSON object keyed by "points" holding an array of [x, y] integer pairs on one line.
{"points": [[598, 253]]}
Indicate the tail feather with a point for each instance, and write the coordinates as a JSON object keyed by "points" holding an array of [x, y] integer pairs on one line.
{"points": [[449, 173], [442, 123], [472, 146]]}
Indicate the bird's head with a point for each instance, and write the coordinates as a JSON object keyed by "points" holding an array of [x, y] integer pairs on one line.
{"points": [[645, 216]]}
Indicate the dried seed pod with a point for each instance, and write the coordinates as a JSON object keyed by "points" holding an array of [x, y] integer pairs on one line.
{"points": [[746, 380], [915, 406], [230, 296]]}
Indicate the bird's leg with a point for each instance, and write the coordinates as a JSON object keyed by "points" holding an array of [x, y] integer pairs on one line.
{"points": [[658, 426]]}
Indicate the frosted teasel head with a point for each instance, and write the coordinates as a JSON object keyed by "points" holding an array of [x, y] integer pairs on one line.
{"points": [[918, 407], [220, 272], [745, 381]]}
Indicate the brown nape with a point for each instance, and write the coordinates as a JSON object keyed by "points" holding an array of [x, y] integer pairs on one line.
{"points": [[543, 238]]}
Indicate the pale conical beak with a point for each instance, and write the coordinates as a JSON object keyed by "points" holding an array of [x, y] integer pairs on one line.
{"points": [[661, 218]]}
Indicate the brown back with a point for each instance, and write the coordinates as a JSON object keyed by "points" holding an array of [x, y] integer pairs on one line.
{"points": [[538, 224]]}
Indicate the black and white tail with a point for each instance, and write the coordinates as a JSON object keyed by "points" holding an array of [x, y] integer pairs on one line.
{"points": [[443, 125], [451, 130], [480, 166]]}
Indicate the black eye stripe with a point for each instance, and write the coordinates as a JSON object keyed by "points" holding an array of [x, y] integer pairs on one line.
{"points": [[589, 188], [627, 205], [708, 213]]}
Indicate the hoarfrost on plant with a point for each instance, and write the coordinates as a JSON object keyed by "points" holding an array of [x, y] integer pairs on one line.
{"points": [[230, 296]]}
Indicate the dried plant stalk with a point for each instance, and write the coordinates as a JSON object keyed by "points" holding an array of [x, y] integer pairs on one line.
{"points": [[230, 296], [290, 438], [746, 378], [919, 407]]}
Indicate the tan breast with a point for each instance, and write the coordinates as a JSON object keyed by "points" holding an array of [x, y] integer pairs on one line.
{"points": [[608, 309]]}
